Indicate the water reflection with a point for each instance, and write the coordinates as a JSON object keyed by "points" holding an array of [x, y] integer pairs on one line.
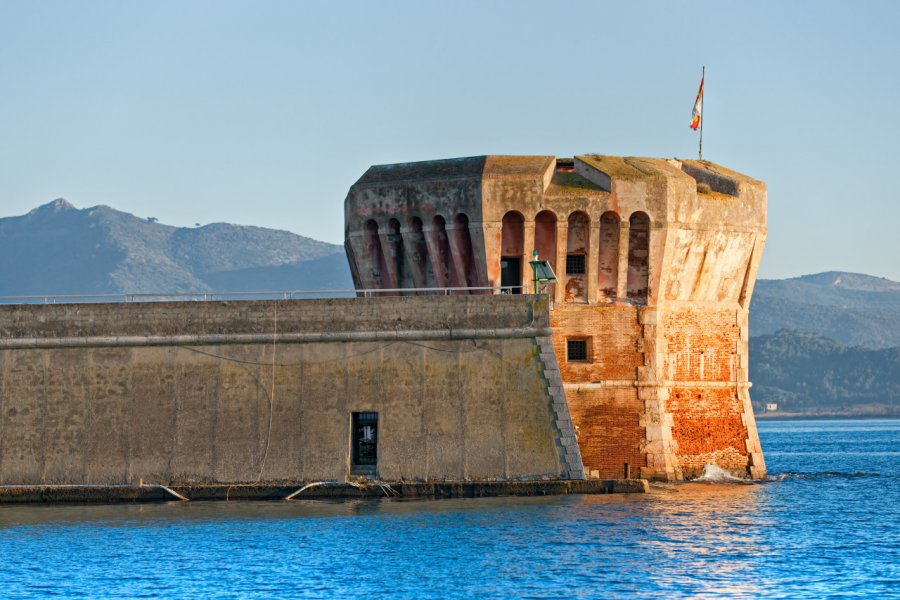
{"points": [[709, 537], [827, 525]]}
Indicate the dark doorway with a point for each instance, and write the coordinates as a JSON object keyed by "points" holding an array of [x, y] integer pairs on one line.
{"points": [[511, 274], [364, 443]]}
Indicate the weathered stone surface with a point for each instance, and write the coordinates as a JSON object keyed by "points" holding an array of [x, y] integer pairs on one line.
{"points": [[670, 251], [238, 412]]}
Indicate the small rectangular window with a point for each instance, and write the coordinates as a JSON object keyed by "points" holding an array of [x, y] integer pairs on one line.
{"points": [[364, 439], [576, 350], [575, 264]]}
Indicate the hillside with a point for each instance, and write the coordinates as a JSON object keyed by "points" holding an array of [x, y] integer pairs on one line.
{"points": [[809, 373], [824, 343], [854, 309], [59, 249]]}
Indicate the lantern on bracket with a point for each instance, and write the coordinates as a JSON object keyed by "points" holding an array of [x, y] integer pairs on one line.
{"points": [[543, 272]]}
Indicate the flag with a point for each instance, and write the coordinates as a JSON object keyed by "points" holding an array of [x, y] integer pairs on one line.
{"points": [[697, 113]]}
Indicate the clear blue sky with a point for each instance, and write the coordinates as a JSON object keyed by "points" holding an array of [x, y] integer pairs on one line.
{"points": [[264, 113]]}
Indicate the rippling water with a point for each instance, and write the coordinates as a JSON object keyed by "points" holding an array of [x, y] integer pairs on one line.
{"points": [[826, 524]]}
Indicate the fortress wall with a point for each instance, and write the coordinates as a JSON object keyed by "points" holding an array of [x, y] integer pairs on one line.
{"points": [[601, 391], [708, 428], [701, 344], [610, 432], [260, 317], [702, 357], [664, 255], [611, 332], [187, 393], [709, 266]]}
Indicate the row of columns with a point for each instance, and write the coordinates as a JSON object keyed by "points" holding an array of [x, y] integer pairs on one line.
{"points": [[592, 266], [450, 255], [419, 257]]}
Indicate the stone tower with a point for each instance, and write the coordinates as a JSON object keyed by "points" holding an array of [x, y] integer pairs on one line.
{"points": [[655, 259]]}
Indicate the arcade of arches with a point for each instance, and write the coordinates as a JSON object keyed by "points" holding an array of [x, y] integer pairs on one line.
{"points": [[419, 257], [604, 259], [601, 259]]}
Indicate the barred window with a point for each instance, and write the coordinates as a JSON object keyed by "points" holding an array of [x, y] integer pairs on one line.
{"points": [[575, 264], [364, 442], [576, 350]]}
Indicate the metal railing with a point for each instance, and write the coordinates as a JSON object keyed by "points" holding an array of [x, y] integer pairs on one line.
{"points": [[261, 295]]}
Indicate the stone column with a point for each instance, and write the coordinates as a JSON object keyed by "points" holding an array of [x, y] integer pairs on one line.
{"points": [[527, 256], [492, 234], [435, 255], [662, 460], [756, 464], [390, 279], [362, 266], [476, 236], [592, 269], [562, 246], [458, 263], [413, 247], [759, 242], [624, 237]]}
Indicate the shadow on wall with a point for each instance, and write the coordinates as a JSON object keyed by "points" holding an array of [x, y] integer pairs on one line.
{"points": [[415, 256]]}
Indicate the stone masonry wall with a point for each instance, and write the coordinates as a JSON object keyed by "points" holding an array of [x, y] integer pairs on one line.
{"points": [[701, 359], [242, 392]]}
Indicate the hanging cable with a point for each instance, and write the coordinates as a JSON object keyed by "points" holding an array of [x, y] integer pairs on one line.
{"points": [[262, 463]]}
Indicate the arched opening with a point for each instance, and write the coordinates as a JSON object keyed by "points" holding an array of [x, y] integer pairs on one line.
{"points": [[441, 261], [545, 240], [638, 257], [608, 263], [464, 259], [512, 248], [577, 243], [374, 259]]}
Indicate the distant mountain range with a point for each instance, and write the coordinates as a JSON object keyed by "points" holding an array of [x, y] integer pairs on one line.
{"points": [[805, 373], [57, 249], [858, 310], [824, 343]]}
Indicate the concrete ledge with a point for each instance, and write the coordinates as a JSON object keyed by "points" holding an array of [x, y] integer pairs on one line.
{"points": [[283, 338], [334, 490]]}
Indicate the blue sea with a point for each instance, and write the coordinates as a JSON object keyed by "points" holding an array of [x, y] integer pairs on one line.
{"points": [[825, 525]]}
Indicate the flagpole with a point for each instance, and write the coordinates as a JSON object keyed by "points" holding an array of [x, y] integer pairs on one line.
{"points": [[703, 100]]}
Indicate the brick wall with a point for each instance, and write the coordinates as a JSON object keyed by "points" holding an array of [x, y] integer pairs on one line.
{"points": [[607, 421], [708, 429], [701, 345], [612, 332], [607, 417]]}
